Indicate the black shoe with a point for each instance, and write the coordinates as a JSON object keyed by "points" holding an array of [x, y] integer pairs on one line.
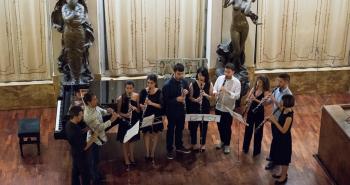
{"points": [[170, 155], [127, 167], [269, 166], [281, 182], [202, 149], [133, 163], [183, 150], [147, 159]]}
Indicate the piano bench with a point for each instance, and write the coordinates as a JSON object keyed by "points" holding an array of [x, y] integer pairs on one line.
{"points": [[28, 129]]}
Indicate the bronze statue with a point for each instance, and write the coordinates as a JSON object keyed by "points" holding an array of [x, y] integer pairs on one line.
{"points": [[239, 27], [70, 18], [233, 52]]}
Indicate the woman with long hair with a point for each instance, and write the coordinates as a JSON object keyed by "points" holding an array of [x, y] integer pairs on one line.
{"points": [[128, 109], [255, 114], [201, 91], [151, 104]]}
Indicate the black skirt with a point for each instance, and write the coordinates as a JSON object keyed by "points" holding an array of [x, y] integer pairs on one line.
{"points": [[124, 126], [153, 129]]}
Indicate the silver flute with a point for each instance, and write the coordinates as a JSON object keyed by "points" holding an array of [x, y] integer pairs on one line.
{"points": [[263, 101], [262, 123]]}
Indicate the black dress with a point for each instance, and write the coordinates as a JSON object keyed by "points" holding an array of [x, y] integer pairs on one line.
{"points": [[155, 98], [124, 123], [281, 146], [254, 119], [195, 108]]}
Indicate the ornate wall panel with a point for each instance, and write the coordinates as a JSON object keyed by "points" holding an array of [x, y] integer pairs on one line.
{"points": [[300, 34], [25, 54], [141, 31], [272, 33], [335, 43], [6, 56]]}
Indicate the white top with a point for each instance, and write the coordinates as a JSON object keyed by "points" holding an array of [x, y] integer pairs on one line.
{"points": [[233, 86], [93, 119], [278, 93]]}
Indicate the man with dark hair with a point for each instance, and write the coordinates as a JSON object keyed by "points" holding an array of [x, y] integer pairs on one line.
{"points": [[282, 88], [227, 90], [175, 91], [93, 119], [78, 147]]}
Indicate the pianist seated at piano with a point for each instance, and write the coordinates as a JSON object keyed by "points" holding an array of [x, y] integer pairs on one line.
{"points": [[93, 117]]}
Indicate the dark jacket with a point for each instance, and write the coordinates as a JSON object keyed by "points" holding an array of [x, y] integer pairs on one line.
{"points": [[171, 90], [76, 139]]}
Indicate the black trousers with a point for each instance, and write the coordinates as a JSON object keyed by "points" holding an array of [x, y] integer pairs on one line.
{"points": [[224, 126], [175, 126], [80, 168], [193, 127], [254, 121], [274, 132], [94, 158]]}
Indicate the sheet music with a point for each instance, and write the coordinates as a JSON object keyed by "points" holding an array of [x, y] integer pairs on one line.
{"points": [[202, 117], [147, 121], [133, 131], [235, 115]]}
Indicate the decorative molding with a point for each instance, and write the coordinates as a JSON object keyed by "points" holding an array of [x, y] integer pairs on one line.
{"points": [[316, 53], [331, 13], [297, 15], [23, 68], [143, 26], [279, 57], [9, 69]]}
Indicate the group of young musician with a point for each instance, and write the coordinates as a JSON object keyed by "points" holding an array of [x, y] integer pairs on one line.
{"points": [[281, 120], [169, 106]]}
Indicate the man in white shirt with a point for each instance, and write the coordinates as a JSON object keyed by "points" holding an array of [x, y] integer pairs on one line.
{"points": [[227, 90], [93, 119]]}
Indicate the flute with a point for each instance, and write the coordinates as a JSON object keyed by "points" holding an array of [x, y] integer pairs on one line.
{"points": [[262, 123], [263, 101]]}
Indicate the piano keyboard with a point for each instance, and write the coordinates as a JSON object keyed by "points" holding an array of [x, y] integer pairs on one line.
{"points": [[58, 126]]}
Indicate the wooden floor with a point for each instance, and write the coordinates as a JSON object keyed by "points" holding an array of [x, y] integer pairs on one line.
{"points": [[52, 167]]}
